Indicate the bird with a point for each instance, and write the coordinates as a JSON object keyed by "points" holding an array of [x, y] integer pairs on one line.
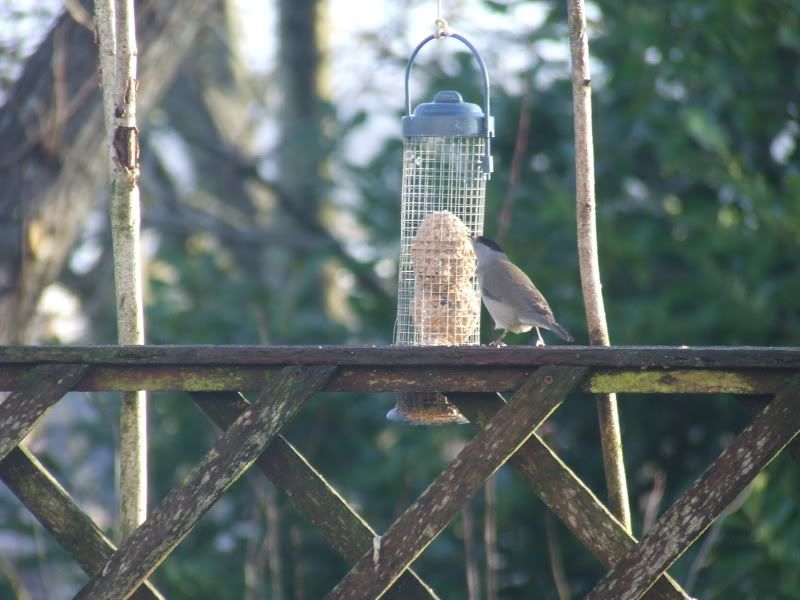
{"points": [[510, 296]]}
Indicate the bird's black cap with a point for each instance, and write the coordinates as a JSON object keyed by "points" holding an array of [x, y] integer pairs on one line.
{"points": [[489, 243]]}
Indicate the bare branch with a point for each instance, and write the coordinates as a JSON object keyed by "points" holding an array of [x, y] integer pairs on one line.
{"points": [[76, 10], [520, 147], [610, 437], [116, 29]]}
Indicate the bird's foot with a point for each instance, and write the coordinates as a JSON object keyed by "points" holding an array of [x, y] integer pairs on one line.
{"points": [[540, 343], [496, 344]]}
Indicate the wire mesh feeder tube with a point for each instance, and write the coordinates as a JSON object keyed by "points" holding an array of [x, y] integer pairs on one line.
{"points": [[446, 163]]}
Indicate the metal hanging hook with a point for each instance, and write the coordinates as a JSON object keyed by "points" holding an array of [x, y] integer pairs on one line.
{"points": [[441, 25], [441, 29], [475, 54]]}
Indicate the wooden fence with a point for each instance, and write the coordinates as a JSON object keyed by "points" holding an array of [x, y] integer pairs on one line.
{"points": [[536, 380]]}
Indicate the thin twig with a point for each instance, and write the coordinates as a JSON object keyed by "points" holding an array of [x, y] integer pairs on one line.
{"points": [[610, 436], [79, 14], [520, 147], [653, 500], [273, 541], [252, 565], [556, 559], [42, 562], [14, 580], [490, 536], [299, 576], [470, 553]]}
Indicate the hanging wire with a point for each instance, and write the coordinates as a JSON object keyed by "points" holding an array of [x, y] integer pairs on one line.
{"points": [[440, 23]]}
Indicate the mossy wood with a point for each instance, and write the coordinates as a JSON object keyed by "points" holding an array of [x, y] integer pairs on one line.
{"points": [[232, 454], [774, 427], [312, 495], [55, 509], [676, 357], [414, 369], [234, 378], [419, 525], [566, 495]]}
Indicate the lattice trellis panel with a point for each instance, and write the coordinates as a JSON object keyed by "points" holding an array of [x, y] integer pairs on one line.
{"points": [[381, 565]]}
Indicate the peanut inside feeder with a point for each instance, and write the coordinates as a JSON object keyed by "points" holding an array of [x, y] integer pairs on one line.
{"points": [[445, 307]]}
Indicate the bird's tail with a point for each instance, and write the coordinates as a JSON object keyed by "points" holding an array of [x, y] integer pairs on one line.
{"points": [[561, 332]]}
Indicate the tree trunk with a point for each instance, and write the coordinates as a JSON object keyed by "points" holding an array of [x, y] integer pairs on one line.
{"points": [[301, 53], [51, 137]]}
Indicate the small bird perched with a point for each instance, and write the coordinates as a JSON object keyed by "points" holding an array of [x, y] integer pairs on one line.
{"points": [[510, 296]]}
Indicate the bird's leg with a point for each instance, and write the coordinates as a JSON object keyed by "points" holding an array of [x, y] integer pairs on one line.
{"points": [[540, 341], [499, 341]]}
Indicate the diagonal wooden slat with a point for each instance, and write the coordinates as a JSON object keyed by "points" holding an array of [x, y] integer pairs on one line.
{"points": [[755, 404], [232, 454], [312, 495], [41, 388], [55, 509], [411, 533], [750, 451], [566, 495]]}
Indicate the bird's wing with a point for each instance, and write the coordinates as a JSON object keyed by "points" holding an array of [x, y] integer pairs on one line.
{"points": [[517, 291]]}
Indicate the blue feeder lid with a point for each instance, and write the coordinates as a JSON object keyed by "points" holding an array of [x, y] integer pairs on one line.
{"points": [[448, 115]]}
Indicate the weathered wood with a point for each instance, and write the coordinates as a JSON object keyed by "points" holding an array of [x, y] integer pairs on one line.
{"points": [[39, 389], [698, 357], [313, 497], [232, 454], [207, 378], [411, 533], [775, 426], [566, 495], [755, 404], [689, 381], [55, 509]]}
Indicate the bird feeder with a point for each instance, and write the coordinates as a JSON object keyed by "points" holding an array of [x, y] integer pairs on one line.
{"points": [[446, 163]]}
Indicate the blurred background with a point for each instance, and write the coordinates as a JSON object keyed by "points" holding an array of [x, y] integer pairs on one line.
{"points": [[270, 187]]}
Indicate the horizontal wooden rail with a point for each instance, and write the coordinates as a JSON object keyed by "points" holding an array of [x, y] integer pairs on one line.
{"points": [[739, 357], [405, 369], [234, 378]]}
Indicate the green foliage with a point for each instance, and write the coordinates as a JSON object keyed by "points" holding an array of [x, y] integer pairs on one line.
{"points": [[698, 186], [753, 552]]}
